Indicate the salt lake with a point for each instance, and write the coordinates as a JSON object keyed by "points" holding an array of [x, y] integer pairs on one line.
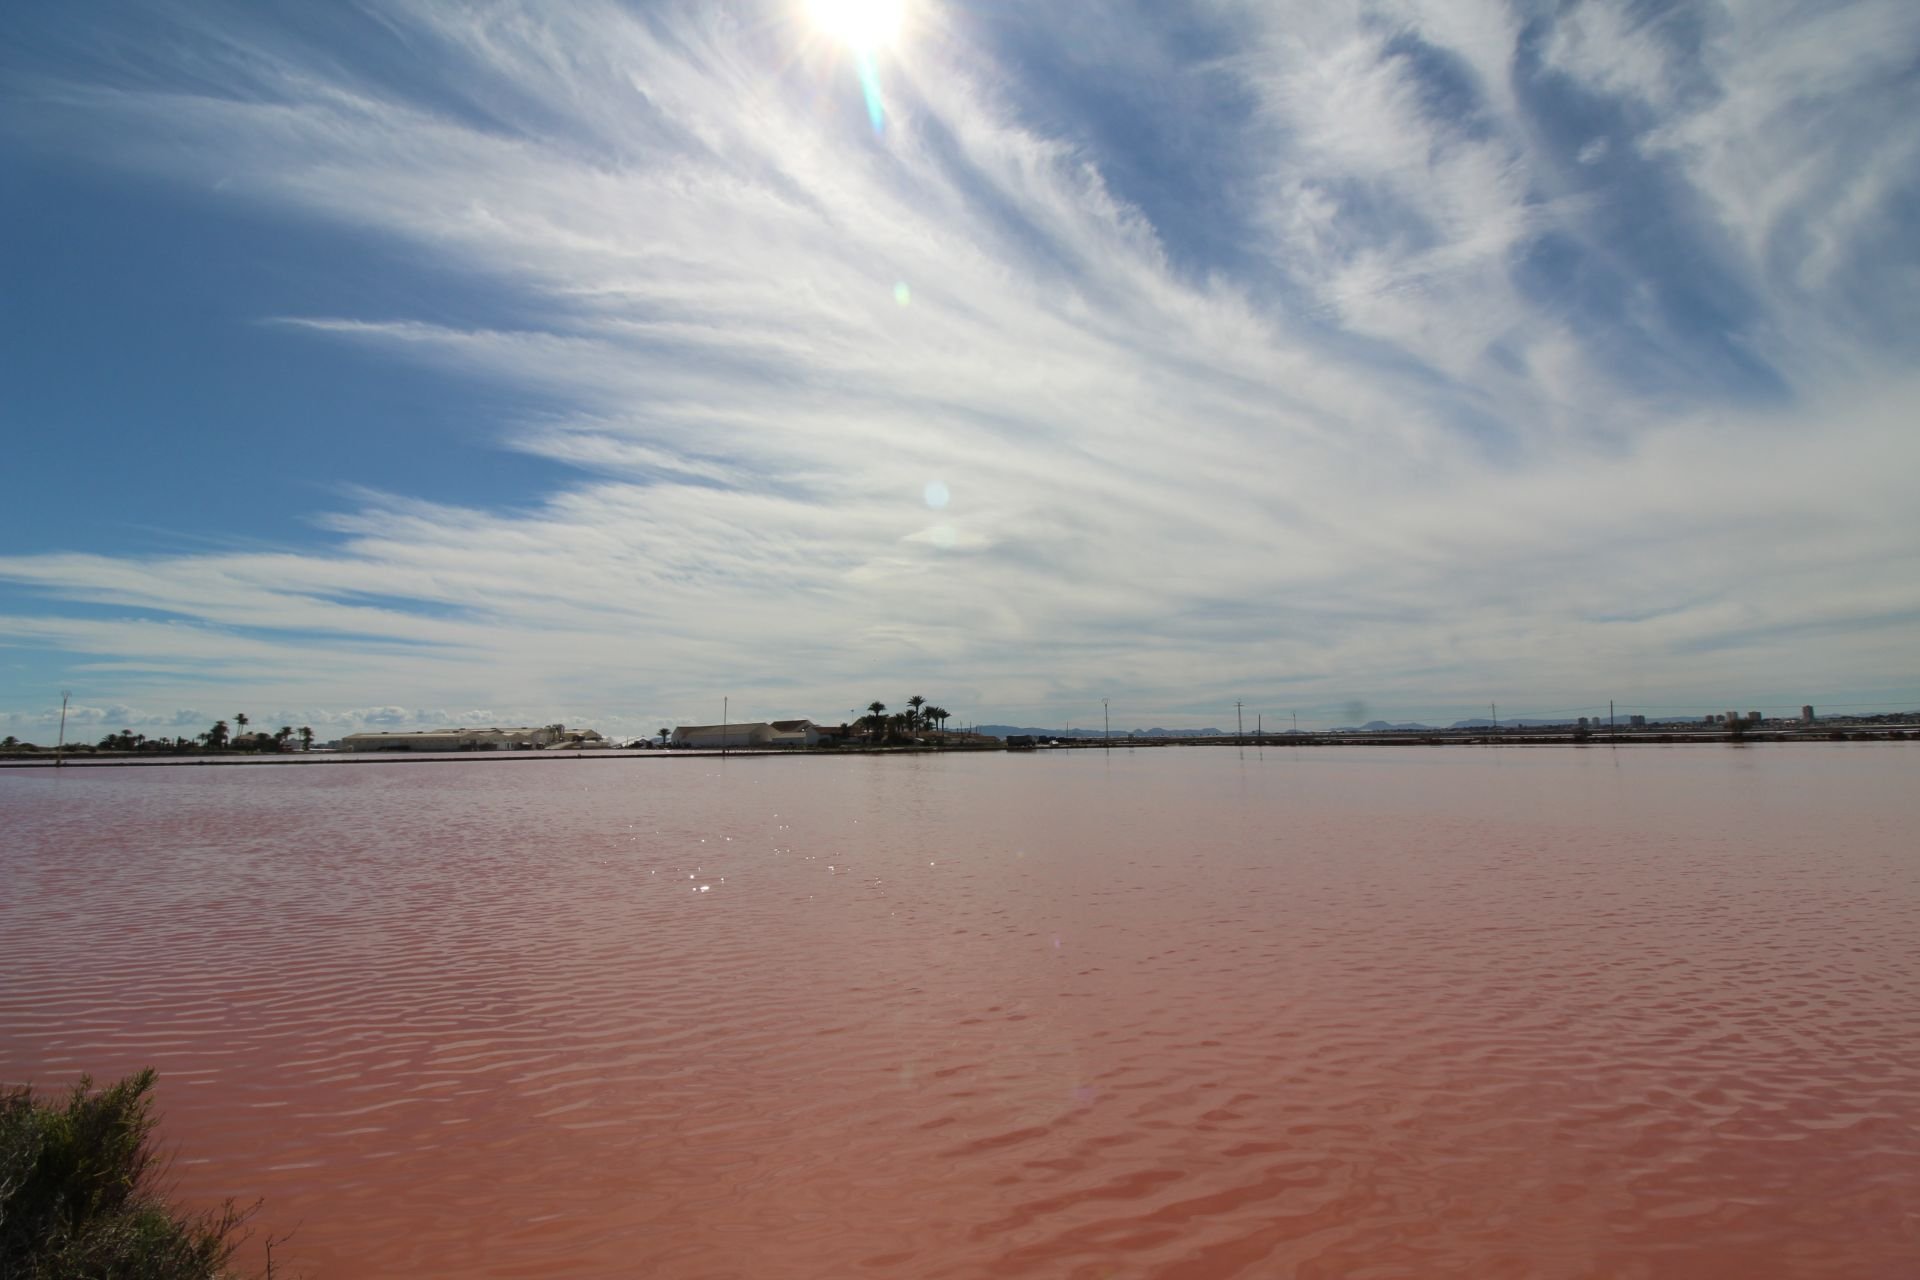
{"points": [[1181, 1013]]}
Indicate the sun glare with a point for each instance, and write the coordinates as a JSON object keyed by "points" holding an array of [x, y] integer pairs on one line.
{"points": [[862, 25]]}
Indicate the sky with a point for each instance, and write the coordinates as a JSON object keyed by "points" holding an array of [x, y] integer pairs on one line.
{"points": [[397, 365]]}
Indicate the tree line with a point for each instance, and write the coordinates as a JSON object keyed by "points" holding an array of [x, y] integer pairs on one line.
{"points": [[221, 737]]}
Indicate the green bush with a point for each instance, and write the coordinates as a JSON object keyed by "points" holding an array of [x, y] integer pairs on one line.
{"points": [[77, 1193]]}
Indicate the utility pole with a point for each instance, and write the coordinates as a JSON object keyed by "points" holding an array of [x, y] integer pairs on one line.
{"points": [[1239, 724], [723, 726], [1612, 728], [60, 748], [1493, 709], [1260, 726], [1106, 725], [1296, 722]]}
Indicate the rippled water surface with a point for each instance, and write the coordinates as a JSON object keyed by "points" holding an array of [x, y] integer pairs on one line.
{"points": [[1186, 1013]]}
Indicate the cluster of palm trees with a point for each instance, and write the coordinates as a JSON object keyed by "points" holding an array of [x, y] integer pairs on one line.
{"points": [[128, 740], [220, 738], [919, 714]]}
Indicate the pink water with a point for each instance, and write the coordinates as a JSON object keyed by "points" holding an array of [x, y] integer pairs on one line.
{"points": [[1189, 1013]]}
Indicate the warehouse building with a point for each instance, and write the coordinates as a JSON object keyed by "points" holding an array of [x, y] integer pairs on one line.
{"points": [[777, 733], [471, 739]]}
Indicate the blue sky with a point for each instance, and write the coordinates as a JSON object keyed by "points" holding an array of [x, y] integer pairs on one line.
{"points": [[399, 364]]}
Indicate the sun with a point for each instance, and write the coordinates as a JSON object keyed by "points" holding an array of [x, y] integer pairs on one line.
{"points": [[862, 25]]}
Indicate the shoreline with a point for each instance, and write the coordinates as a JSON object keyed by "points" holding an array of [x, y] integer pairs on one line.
{"points": [[1475, 738]]}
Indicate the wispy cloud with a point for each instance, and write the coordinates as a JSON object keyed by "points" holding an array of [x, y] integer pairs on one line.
{"points": [[1448, 418]]}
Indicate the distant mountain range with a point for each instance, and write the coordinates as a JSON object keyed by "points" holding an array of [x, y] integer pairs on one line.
{"points": [[1480, 722], [1007, 730], [1372, 726]]}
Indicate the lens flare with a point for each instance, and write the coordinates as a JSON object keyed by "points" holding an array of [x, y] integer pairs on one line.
{"points": [[866, 28], [870, 87]]}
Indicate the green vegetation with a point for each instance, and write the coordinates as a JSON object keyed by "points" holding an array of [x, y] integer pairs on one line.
{"points": [[919, 716], [217, 739], [77, 1193]]}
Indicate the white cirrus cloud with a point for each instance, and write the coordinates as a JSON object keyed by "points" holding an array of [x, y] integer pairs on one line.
{"points": [[1440, 425]]}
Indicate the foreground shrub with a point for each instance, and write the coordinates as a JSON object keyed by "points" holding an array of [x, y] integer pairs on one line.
{"points": [[77, 1193]]}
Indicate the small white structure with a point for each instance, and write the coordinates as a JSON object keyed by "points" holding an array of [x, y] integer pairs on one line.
{"points": [[779, 733], [580, 740], [796, 733], [456, 739]]}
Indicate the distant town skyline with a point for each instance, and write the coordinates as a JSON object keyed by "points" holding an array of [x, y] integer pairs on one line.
{"points": [[402, 366]]}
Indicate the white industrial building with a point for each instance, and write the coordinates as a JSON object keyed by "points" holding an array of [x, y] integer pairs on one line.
{"points": [[777, 733], [460, 739]]}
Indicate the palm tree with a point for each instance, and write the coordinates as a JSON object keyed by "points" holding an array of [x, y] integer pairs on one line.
{"points": [[913, 709], [306, 738], [216, 737], [876, 709], [663, 737], [938, 715], [281, 735], [241, 721]]}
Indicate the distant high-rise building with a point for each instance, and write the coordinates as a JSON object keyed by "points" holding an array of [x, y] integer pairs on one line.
{"points": [[1806, 715], [1636, 722], [1583, 722], [1709, 719], [1753, 717], [1732, 716]]}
